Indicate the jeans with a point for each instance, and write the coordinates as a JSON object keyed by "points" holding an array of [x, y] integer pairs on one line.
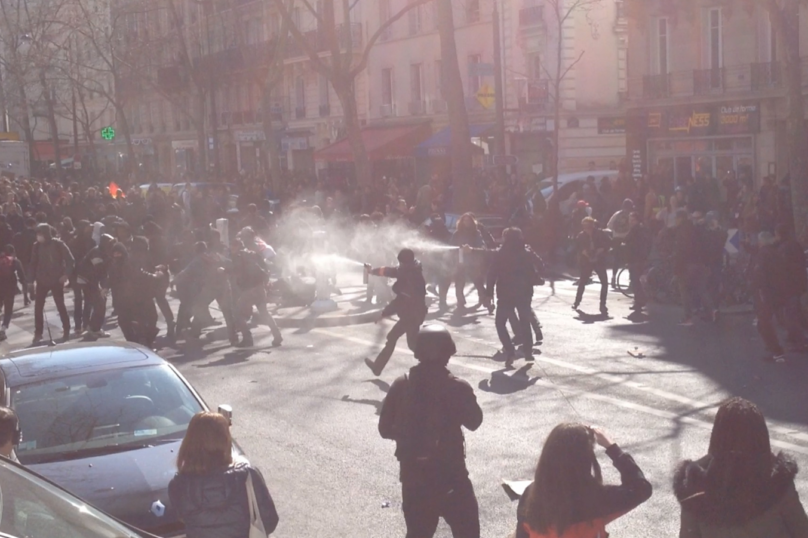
{"points": [[635, 272], [505, 309], [95, 306], [586, 272], [255, 296], [425, 504], [58, 291], [7, 297], [409, 323]]}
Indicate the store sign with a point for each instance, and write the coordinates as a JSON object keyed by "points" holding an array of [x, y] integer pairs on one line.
{"points": [[295, 144], [739, 119], [250, 136], [141, 141], [690, 122], [612, 125], [184, 144], [439, 151]]}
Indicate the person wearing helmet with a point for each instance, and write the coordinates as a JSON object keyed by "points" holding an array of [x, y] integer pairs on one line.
{"points": [[409, 304], [51, 266], [91, 276], [424, 413]]}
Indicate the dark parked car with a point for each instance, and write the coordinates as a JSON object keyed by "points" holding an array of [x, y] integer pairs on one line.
{"points": [[34, 506], [105, 421]]}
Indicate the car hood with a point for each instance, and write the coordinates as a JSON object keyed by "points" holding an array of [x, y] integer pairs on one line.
{"points": [[130, 486]]}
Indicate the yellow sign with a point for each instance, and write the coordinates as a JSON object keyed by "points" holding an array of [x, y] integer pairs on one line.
{"points": [[485, 96], [9, 135]]}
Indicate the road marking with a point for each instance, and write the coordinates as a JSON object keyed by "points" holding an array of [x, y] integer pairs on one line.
{"points": [[568, 391]]}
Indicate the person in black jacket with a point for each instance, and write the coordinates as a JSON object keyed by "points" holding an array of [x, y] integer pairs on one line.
{"points": [[80, 245], [92, 277], [409, 304], [249, 278], [51, 267], [568, 497], [11, 272], [593, 245], [439, 263], [210, 490], [513, 274], [792, 256], [23, 242], [638, 248], [424, 413]]}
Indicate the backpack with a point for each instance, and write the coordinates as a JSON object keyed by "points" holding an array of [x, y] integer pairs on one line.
{"points": [[6, 266]]}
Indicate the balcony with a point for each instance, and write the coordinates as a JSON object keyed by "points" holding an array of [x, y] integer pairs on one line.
{"points": [[531, 16], [325, 110], [656, 86], [707, 81], [319, 40], [766, 75]]}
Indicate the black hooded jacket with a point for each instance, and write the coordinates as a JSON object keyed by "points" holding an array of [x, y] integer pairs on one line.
{"points": [[50, 260], [776, 512], [513, 272], [409, 287]]}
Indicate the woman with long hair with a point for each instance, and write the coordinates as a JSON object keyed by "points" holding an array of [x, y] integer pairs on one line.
{"points": [[567, 498], [740, 488], [210, 490], [468, 234]]}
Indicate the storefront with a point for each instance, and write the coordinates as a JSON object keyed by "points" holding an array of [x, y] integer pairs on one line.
{"points": [[248, 150], [185, 152], [683, 142]]}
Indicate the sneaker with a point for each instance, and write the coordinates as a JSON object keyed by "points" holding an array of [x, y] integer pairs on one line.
{"points": [[604, 310], [373, 368], [66, 335], [432, 289], [277, 342], [575, 306], [2, 334], [37, 339], [99, 334], [529, 357], [687, 322], [247, 341]]}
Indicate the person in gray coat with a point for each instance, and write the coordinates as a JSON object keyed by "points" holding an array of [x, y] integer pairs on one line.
{"points": [[51, 267]]}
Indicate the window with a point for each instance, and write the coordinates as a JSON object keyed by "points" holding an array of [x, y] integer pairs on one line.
{"points": [[534, 67], [297, 18], [475, 81], [660, 44], [324, 94], [416, 83], [300, 93], [472, 11], [387, 87], [415, 20], [384, 16], [439, 79], [714, 60]]}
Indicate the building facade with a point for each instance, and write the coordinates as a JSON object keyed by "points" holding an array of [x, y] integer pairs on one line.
{"points": [[706, 92]]}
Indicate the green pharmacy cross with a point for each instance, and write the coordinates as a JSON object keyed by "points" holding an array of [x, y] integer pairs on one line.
{"points": [[108, 133]]}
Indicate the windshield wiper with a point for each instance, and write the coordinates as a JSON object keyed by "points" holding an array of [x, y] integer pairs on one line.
{"points": [[89, 452]]}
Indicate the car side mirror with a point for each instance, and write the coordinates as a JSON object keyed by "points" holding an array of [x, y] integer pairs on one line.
{"points": [[226, 411]]}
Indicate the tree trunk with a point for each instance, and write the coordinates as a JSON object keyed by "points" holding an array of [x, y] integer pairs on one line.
{"points": [[464, 194], [202, 142], [271, 156], [26, 125], [127, 135], [54, 127], [787, 19], [347, 98]]}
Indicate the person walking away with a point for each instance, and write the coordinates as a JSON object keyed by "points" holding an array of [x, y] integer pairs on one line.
{"points": [[51, 267], [424, 413], [11, 273], [158, 256], [770, 293], [713, 239], [92, 276], [567, 498], [210, 491], [593, 246], [740, 488], [469, 234], [688, 265], [215, 287], [637, 248], [23, 242], [250, 277], [409, 304], [81, 244], [513, 274], [619, 225], [792, 256]]}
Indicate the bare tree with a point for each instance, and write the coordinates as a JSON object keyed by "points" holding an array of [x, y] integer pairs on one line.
{"points": [[343, 64], [563, 13]]}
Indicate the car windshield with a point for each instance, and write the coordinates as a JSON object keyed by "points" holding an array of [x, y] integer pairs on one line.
{"points": [[31, 506], [101, 412]]}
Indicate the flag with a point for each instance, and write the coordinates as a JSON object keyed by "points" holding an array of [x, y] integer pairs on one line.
{"points": [[114, 190]]}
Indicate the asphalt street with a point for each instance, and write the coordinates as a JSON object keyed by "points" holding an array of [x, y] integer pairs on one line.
{"points": [[306, 413]]}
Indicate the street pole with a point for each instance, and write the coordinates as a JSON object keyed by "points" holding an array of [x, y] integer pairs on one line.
{"points": [[499, 98], [73, 104]]}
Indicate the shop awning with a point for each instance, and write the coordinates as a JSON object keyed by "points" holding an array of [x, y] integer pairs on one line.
{"points": [[438, 144], [381, 143]]}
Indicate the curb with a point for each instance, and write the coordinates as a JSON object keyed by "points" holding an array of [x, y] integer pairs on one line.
{"points": [[328, 320]]}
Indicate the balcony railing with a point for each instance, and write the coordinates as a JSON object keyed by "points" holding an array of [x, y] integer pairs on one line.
{"points": [[766, 75], [708, 80], [740, 79], [656, 86], [319, 40], [531, 16]]}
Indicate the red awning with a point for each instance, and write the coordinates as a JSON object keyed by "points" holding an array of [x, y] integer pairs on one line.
{"points": [[44, 151], [380, 142]]}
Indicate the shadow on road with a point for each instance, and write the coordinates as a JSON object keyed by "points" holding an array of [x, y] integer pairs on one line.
{"points": [[377, 404], [502, 383]]}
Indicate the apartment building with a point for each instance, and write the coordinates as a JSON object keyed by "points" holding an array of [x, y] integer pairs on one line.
{"points": [[706, 93]]}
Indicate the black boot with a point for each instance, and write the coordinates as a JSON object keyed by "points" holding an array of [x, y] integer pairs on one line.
{"points": [[247, 340]]}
